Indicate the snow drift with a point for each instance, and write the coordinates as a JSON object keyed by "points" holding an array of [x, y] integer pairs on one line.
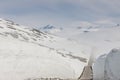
{"points": [[107, 67]]}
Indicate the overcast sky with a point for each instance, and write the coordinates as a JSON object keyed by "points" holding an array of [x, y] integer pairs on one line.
{"points": [[62, 13]]}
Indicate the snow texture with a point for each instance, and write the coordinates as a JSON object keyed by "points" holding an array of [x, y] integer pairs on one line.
{"points": [[107, 67], [29, 53]]}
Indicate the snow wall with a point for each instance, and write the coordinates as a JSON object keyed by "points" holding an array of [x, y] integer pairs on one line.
{"points": [[107, 66]]}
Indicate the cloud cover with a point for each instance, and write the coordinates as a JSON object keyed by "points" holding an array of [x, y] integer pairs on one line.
{"points": [[63, 13]]}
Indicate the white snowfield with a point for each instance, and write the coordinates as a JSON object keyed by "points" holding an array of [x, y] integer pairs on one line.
{"points": [[107, 67], [103, 39], [28, 53]]}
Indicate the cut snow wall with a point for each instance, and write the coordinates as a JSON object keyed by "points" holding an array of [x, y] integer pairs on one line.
{"points": [[98, 68], [107, 67]]}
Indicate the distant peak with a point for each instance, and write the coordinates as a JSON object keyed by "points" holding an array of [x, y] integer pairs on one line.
{"points": [[48, 27]]}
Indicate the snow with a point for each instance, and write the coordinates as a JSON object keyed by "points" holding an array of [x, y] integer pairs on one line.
{"points": [[102, 39], [50, 29], [29, 53], [94, 37], [98, 68], [107, 67], [112, 65], [21, 60]]}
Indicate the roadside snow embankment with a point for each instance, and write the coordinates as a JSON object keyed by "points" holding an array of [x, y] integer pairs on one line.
{"points": [[107, 67]]}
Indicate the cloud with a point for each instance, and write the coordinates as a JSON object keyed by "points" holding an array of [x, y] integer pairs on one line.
{"points": [[60, 12]]}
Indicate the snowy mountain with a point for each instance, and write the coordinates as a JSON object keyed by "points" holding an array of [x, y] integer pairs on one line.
{"points": [[94, 36], [104, 39], [27, 53], [51, 29]]}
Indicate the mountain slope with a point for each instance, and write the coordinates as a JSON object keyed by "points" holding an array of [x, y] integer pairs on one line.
{"points": [[102, 38], [29, 53]]}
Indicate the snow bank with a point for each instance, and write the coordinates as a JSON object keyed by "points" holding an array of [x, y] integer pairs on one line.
{"points": [[107, 67], [98, 68]]}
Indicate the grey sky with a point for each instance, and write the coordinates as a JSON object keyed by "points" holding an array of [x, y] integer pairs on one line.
{"points": [[63, 13]]}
